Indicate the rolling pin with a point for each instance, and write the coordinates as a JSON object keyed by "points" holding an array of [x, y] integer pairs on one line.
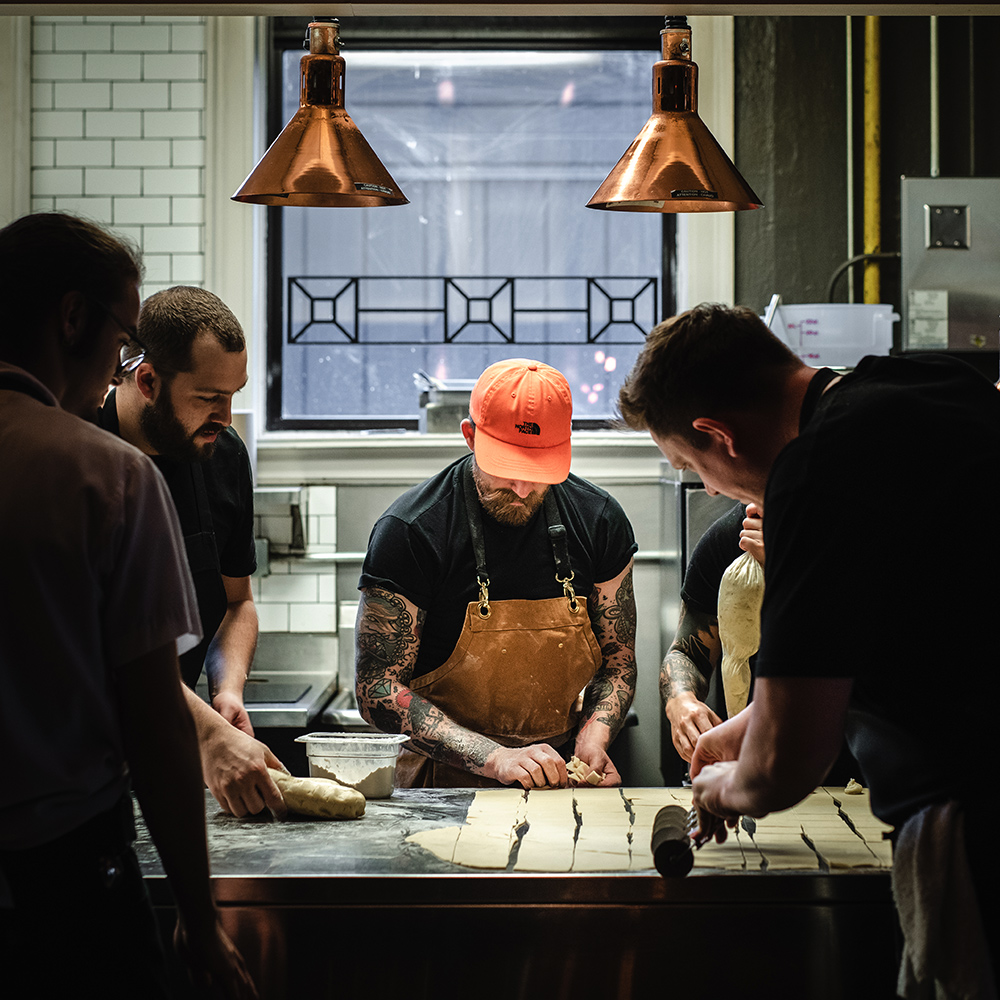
{"points": [[670, 843]]}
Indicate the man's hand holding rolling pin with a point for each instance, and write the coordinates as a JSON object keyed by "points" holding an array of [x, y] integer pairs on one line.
{"points": [[714, 757]]}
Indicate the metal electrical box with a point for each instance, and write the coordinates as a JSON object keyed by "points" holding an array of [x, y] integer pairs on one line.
{"points": [[950, 229]]}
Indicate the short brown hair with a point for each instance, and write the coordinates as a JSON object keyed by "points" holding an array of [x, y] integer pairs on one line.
{"points": [[171, 320], [44, 256], [707, 362]]}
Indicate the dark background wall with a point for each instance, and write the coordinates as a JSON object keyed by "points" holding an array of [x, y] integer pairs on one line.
{"points": [[791, 146], [791, 140]]}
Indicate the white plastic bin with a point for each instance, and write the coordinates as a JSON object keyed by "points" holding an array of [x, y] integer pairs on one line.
{"points": [[365, 761], [838, 334]]}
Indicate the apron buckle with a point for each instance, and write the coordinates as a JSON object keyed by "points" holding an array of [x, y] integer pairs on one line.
{"points": [[484, 597], [574, 604]]}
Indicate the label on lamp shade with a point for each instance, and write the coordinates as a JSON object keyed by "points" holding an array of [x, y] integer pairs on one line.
{"points": [[708, 195], [377, 188], [635, 204]]}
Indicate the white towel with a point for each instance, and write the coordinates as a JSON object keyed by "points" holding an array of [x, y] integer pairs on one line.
{"points": [[944, 953]]}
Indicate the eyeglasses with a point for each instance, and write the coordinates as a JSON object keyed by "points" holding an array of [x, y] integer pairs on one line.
{"points": [[128, 364], [127, 361]]}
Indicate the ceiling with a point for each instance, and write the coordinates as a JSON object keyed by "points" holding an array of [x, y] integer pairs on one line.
{"points": [[488, 8]]}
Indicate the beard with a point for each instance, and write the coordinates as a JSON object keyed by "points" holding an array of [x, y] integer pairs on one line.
{"points": [[505, 505], [169, 437]]}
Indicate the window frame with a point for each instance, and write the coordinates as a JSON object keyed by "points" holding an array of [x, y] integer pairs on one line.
{"points": [[440, 33]]}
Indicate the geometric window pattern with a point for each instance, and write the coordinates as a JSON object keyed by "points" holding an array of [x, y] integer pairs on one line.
{"points": [[466, 310]]}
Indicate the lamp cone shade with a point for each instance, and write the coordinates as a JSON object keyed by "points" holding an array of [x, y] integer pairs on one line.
{"points": [[675, 164], [321, 158]]}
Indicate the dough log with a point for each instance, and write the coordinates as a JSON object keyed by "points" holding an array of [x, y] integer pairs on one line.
{"points": [[318, 797]]}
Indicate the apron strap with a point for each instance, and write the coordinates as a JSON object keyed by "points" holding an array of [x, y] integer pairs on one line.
{"points": [[557, 539], [560, 549], [472, 510]]}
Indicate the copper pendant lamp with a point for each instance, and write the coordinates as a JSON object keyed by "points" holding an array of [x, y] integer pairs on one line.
{"points": [[321, 158], [674, 164]]}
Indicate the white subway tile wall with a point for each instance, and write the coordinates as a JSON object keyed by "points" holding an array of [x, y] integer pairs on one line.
{"points": [[297, 595], [321, 536], [117, 123], [289, 588]]}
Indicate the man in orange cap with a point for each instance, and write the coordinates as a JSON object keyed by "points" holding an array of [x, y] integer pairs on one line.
{"points": [[477, 634]]}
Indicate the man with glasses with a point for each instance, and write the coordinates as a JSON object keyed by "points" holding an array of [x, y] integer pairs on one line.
{"points": [[97, 601], [178, 377]]}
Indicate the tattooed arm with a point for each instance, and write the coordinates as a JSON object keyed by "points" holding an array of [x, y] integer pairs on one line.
{"points": [[606, 702], [387, 638], [684, 673]]}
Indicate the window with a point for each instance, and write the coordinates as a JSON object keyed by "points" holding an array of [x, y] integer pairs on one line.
{"points": [[498, 150]]}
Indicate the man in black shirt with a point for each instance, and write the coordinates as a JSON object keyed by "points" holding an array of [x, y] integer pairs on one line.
{"points": [[696, 651], [865, 627], [175, 404], [495, 593]]}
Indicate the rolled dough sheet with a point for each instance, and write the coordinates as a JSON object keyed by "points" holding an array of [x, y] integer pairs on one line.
{"points": [[604, 831], [549, 842], [608, 829], [486, 838], [490, 829]]}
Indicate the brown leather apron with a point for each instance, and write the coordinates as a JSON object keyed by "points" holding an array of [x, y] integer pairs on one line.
{"points": [[518, 668]]}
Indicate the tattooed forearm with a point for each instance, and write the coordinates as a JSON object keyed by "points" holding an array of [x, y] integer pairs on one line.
{"points": [[445, 740], [387, 636], [678, 674], [387, 639], [693, 655], [598, 695], [609, 695], [433, 733], [607, 700], [612, 616]]}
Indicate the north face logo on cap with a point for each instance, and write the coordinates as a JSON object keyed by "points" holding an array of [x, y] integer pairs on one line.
{"points": [[528, 428]]}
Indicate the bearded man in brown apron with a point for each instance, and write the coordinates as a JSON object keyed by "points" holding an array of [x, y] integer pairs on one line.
{"points": [[497, 621]]}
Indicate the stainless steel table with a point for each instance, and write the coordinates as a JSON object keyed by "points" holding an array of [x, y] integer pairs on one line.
{"points": [[350, 909]]}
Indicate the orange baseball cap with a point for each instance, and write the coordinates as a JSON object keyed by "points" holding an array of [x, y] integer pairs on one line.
{"points": [[523, 412]]}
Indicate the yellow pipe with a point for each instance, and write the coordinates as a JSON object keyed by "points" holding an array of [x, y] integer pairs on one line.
{"points": [[873, 159]]}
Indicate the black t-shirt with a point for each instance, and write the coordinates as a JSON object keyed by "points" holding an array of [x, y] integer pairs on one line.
{"points": [[421, 549], [229, 489], [881, 567], [229, 484], [712, 556]]}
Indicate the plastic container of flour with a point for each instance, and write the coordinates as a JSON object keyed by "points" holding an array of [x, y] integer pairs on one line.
{"points": [[365, 761]]}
